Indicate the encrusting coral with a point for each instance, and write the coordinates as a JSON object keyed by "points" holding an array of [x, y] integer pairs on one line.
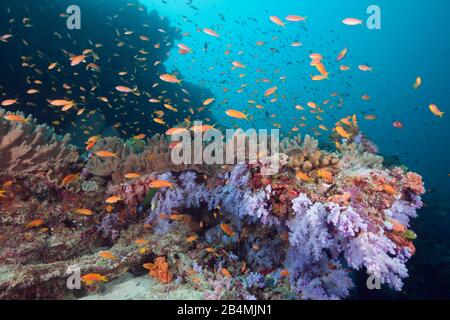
{"points": [[259, 237]]}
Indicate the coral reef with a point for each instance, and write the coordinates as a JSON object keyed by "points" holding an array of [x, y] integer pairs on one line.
{"points": [[232, 233]]}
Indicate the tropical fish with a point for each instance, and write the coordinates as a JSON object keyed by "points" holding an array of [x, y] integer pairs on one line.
{"points": [[70, 178], [106, 154], [14, 117], [191, 238], [173, 131], [236, 114], [389, 189], [342, 54], [9, 102], [132, 175], [237, 64], [208, 101], [124, 89], [226, 228], [210, 32], [92, 278], [169, 78], [352, 21], [225, 272], [295, 18], [107, 255], [140, 136], [60, 102], [277, 21], [113, 199], [76, 60], [160, 184], [435, 110], [34, 224], [141, 242], [84, 211], [417, 83], [397, 124], [363, 67], [270, 91]]}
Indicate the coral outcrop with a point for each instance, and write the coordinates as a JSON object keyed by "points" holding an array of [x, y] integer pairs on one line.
{"points": [[28, 148]]}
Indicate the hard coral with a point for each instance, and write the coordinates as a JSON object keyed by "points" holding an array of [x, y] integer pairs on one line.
{"points": [[29, 148]]}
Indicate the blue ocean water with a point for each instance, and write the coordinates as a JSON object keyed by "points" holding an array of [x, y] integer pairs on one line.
{"points": [[411, 43]]}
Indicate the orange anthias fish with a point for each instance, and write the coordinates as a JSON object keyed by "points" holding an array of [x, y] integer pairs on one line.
{"points": [[277, 21], [284, 273], [389, 189], [124, 89], [60, 102], [106, 154], [9, 102], [227, 229], [417, 83], [34, 224], [202, 128], [76, 60], [160, 184], [363, 67], [352, 21], [70, 178], [208, 101], [107, 255], [84, 212], [140, 136], [270, 91], [210, 32], [191, 238], [173, 131], [294, 18], [169, 78], [342, 54], [225, 272], [435, 110], [141, 242], [237, 64], [92, 278], [132, 175], [236, 114], [113, 199], [14, 117]]}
